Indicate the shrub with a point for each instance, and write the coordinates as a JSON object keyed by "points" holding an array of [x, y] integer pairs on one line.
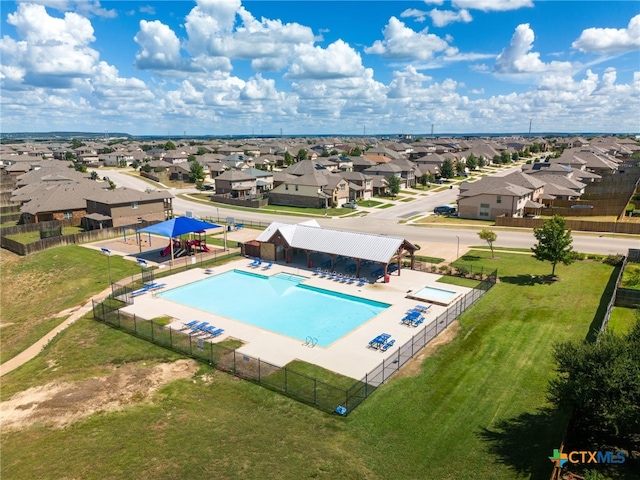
{"points": [[613, 260], [462, 271]]}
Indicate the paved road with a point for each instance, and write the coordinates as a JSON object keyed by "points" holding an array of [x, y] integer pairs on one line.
{"points": [[388, 224]]}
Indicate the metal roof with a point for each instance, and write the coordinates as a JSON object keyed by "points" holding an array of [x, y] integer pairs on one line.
{"points": [[365, 246]]}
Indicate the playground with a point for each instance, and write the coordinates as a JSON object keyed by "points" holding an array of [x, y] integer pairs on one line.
{"points": [[156, 249]]}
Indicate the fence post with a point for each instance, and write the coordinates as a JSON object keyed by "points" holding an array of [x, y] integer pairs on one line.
{"points": [[366, 385], [135, 322], [285, 379], [383, 370], [190, 346], [171, 337], [259, 370], [152, 328], [315, 391]]}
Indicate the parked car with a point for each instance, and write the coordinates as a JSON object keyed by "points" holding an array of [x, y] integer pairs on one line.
{"points": [[353, 205], [444, 210]]}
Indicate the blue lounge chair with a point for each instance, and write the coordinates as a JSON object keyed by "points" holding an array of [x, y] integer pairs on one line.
{"points": [[422, 308], [268, 266], [191, 324], [317, 271], [156, 286], [216, 332], [362, 282], [255, 262], [388, 344], [199, 327], [351, 280], [208, 329]]}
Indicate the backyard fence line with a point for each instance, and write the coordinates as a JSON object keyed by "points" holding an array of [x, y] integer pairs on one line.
{"points": [[622, 297], [320, 394]]}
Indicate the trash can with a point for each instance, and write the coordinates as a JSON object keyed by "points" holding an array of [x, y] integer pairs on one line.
{"points": [[387, 277], [228, 228]]}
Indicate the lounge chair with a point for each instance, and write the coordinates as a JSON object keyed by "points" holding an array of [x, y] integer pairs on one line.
{"points": [[422, 308], [362, 282], [215, 333], [388, 344], [418, 321], [209, 271], [155, 286], [191, 324], [317, 271], [199, 327], [351, 280], [268, 266], [208, 329], [254, 263]]}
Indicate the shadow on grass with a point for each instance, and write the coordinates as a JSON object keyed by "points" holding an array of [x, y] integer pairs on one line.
{"points": [[526, 279], [525, 442], [598, 317], [470, 258]]}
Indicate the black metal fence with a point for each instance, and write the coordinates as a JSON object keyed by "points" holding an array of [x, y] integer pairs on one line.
{"points": [[286, 380]]}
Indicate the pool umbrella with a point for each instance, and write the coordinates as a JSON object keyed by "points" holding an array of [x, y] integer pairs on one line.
{"points": [[178, 226]]}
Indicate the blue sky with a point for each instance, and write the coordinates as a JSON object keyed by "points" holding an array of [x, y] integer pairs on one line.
{"points": [[232, 67]]}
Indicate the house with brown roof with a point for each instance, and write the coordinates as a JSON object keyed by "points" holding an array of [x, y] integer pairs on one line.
{"points": [[123, 206], [236, 184]]}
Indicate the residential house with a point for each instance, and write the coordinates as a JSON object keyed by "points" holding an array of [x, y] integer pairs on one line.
{"points": [[236, 184], [360, 185], [123, 206]]}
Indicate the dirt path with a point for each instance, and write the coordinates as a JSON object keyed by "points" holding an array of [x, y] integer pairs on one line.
{"points": [[31, 352]]}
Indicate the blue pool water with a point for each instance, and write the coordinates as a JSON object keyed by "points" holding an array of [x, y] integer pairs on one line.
{"points": [[278, 303]]}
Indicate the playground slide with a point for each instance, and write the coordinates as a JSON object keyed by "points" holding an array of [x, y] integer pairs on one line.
{"points": [[205, 248], [165, 251]]}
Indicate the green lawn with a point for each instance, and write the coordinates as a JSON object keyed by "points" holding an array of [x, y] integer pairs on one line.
{"points": [[30, 237], [622, 319], [474, 410]]}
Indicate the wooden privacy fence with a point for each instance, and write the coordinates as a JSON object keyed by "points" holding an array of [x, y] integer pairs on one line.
{"points": [[578, 225]]}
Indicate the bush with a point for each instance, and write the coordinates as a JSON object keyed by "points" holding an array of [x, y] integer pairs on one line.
{"points": [[613, 260], [462, 271], [578, 256]]}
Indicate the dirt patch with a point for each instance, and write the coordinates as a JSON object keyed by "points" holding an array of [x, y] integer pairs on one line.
{"points": [[60, 404], [413, 367]]}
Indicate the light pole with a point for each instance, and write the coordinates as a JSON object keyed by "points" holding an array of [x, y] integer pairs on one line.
{"points": [[458, 248], [218, 213], [107, 252]]}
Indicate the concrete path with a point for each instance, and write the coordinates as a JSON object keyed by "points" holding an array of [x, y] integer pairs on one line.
{"points": [[32, 351]]}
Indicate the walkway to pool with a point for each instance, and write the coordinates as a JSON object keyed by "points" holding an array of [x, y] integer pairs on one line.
{"points": [[348, 355]]}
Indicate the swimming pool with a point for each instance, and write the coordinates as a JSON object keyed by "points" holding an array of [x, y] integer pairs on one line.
{"points": [[279, 303], [435, 295]]}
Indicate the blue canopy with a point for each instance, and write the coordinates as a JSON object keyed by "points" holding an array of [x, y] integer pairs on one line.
{"points": [[178, 226]]}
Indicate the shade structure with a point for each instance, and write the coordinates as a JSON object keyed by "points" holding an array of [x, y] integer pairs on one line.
{"points": [[178, 226]]}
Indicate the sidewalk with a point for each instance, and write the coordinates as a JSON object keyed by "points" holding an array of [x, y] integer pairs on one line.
{"points": [[32, 351]]}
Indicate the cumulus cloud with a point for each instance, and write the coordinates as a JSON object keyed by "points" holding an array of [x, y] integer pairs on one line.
{"points": [[442, 18], [610, 40], [492, 5], [160, 47], [338, 60], [53, 51], [518, 58], [401, 42]]}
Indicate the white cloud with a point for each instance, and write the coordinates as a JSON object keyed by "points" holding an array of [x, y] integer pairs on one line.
{"points": [[86, 8], [518, 58], [53, 51], [442, 18], [401, 42], [338, 60], [492, 5], [417, 15], [160, 47], [610, 40]]}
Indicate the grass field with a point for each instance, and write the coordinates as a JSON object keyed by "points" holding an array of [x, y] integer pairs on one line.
{"points": [[474, 409]]}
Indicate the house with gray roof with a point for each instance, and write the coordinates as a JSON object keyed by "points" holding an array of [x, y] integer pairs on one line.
{"points": [[236, 184]]}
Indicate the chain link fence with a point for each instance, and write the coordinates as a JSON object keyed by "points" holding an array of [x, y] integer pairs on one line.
{"points": [[286, 380]]}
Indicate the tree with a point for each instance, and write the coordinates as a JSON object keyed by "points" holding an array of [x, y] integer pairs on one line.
{"points": [[75, 144], [446, 170], [460, 167], [69, 156], [196, 172], [424, 179], [122, 163], [554, 243], [146, 168], [94, 175], [600, 381], [488, 236], [288, 159], [472, 162], [482, 162], [356, 152], [505, 157], [169, 145], [302, 154], [394, 185], [515, 156], [191, 158], [201, 151]]}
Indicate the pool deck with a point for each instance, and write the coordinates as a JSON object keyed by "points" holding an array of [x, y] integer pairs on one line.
{"points": [[348, 356]]}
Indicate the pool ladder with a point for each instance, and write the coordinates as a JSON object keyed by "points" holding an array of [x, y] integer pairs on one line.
{"points": [[310, 342]]}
